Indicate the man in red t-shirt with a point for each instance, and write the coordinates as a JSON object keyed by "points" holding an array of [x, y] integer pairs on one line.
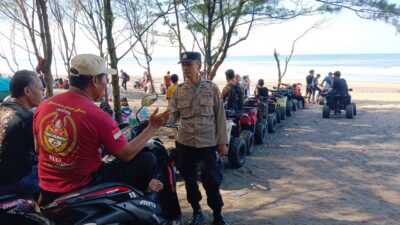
{"points": [[69, 129]]}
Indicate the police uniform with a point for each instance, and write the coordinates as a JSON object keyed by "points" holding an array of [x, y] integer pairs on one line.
{"points": [[203, 127]]}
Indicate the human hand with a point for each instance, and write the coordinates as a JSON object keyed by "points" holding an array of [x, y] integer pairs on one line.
{"points": [[222, 150], [155, 186], [158, 120]]}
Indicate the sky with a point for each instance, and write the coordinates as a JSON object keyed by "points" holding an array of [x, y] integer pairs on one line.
{"points": [[344, 33]]}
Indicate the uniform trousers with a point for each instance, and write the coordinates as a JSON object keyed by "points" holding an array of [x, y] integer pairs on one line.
{"points": [[211, 177]]}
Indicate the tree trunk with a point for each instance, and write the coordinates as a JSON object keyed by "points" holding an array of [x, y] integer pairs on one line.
{"points": [[47, 45], [279, 68], [108, 16]]}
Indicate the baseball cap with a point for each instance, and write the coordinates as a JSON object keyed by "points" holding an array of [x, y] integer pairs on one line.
{"points": [[189, 56], [89, 65]]}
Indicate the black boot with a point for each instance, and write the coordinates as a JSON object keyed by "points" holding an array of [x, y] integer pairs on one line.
{"points": [[198, 218], [219, 219]]}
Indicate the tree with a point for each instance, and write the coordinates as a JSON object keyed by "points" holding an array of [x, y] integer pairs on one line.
{"points": [[141, 16], [66, 45], [216, 26], [92, 22], [281, 74], [46, 44], [24, 13], [366, 9]]}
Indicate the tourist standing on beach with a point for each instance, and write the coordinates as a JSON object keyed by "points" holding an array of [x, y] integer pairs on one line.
{"points": [[196, 103], [309, 80], [328, 80], [167, 80], [170, 91], [314, 87], [125, 78], [246, 85]]}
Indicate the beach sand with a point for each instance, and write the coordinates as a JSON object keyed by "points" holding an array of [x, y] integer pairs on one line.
{"points": [[316, 171]]}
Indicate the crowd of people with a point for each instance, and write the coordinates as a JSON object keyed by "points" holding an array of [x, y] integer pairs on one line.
{"points": [[63, 130], [332, 84]]}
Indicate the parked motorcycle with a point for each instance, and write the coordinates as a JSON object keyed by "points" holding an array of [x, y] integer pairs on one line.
{"points": [[106, 203]]}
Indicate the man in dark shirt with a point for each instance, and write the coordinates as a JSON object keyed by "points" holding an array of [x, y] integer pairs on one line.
{"points": [[339, 84], [125, 79], [232, 95], [340, 91], [17, 173], [260, 90]]}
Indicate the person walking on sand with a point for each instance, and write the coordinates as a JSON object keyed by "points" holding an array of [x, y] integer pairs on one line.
{"points": [[309, 80], [170, 91], [167, 80], [246, 85], [314, 87], [125, 79], [196, 103]]}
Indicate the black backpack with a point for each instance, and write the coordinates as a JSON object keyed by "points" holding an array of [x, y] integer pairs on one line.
{"points": [[235, 97]]}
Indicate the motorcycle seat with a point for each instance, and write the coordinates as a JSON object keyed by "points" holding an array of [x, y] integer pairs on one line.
{"points": [[92, 191], [6, 197]]}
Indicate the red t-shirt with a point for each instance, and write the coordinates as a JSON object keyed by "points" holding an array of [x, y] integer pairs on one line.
{"points": [[69, 129], [167, 79]]}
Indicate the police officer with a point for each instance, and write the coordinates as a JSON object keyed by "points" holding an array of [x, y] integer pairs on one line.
{"points": [[202, 132]]}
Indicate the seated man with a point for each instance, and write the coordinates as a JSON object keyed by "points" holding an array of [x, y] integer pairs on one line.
{"points": [[17, 173], [260, 90], [340, 92], [232, 94], [69, 129]]}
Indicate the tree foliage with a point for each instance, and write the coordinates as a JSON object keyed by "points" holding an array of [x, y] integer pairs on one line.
{"points": [[367, 9]]}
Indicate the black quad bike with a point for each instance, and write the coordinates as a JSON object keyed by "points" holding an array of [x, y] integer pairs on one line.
{"points": [[338, 102], [107, 203]]}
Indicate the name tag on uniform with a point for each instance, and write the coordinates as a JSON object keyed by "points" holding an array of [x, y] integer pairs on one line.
{"points": [[206, 101]]}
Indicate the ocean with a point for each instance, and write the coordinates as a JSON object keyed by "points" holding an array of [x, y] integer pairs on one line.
{"points": [[354, 67]]}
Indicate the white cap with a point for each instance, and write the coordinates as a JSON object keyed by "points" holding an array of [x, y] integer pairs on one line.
{"points": [[89, 65]]}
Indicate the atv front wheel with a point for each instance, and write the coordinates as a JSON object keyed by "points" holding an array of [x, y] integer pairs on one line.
{"points": [[325, 111], [349, 111], [248, 138], [237, 153], [289, 108], [260, 136], [271, 124], [354, 109]]}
